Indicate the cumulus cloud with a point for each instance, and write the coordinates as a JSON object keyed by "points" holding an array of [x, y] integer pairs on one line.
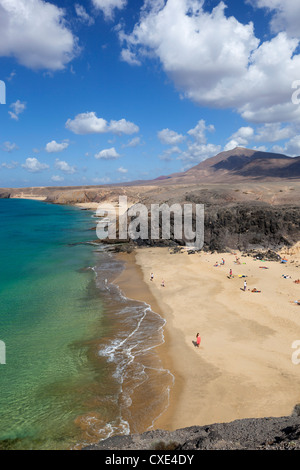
{"points": [[34, 166], [107, 154], [217, 61], [108, 6], [89, 123], [122, 127], [197, 148], [36, 34], [54, 147], [291, 148], [286, 14], [18, 108], [274, 132], [240, 138], [199, 132], [64, 167], [270, 132], [169, 137], [196, 152]]}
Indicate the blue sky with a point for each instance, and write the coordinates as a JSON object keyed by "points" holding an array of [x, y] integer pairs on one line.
{"points": [[106, 91]]}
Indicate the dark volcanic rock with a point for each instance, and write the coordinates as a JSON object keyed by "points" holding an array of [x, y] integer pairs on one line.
{"points": [[241, 227], [4, 194], [249, 226], [248, 434]]}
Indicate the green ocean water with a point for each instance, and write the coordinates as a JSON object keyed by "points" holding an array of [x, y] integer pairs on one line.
{"points": [[81, 358], [50, 318]]}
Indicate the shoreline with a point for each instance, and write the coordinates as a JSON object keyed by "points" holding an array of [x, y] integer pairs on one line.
{"points": [[133, 285], [243, 368]]}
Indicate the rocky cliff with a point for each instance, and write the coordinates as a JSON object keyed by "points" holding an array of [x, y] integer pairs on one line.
{"points": [[245, 434]]}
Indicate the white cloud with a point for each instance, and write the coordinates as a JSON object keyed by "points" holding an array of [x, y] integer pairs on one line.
{"points": [[83, 15], [9, 147], [54, 147], [216, 60], [261, 148], [199, 131], [18, 108], [270, 132], [64, 167], [34, 166], [197, 148], [133, 142], [196, 152], [107, 154], [123, 127], [122, 170], [240, 138], [274, 132], [169, 137], [291, 148], [167, 155], [129, 57], [232, 144], [108, 6], [36, 34], [286, 14], [89, 123], [57, 178], [9, 166]]}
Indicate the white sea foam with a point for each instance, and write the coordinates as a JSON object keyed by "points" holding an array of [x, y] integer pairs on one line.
{"points": [[142, 332]]}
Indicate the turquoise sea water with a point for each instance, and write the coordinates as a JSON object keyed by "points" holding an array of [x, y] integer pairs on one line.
{"points": [[81, 358], [48, 316]]}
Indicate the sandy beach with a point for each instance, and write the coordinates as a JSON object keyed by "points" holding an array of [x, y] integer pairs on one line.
{"points": [[28, 196], [244, 366]]}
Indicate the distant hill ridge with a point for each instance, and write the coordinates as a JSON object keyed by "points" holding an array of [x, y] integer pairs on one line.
{"points": [[237, 165]]}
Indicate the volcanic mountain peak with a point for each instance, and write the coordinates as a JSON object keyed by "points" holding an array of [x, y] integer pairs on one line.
{"points": [[236, 159], [237, 165]]}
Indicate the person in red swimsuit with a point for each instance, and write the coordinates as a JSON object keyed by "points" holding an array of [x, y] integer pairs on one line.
{"points": [[198, 339]]}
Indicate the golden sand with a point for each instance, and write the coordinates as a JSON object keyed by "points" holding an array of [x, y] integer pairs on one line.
{"points": [[244, 366]]}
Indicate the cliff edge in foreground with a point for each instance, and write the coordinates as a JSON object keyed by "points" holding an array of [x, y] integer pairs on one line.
{"points": [[244, 434]]}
